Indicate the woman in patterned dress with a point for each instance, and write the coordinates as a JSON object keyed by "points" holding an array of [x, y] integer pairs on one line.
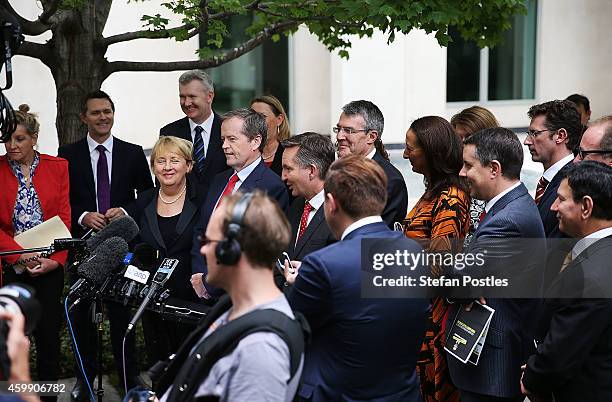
{"points": [[467, 122], [439, 219]]}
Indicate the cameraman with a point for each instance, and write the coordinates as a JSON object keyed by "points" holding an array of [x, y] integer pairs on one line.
{"points": [[245, 235], [18, 349]]}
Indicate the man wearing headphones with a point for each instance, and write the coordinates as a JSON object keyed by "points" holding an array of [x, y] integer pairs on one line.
{"points": [[245, 235]]}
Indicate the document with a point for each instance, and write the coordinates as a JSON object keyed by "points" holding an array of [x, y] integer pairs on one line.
{"points": [[43, 235], [466, 337]]}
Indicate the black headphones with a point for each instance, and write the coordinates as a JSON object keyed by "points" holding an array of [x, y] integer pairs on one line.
{"points": [[228, 250]]}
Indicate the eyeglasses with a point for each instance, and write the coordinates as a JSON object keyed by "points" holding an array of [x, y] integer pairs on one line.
{"points": [[347, 130], [205, 240], [582, 154], [535, 133]]}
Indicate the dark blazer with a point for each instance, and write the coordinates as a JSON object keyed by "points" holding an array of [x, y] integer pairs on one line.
{"points": [[277, 162], [215, 158], [316, 236], [130, 175], [510, 338], [549, 218], [261, 178], [574, 356], [361, 349], [146, 216], [397, 193]]}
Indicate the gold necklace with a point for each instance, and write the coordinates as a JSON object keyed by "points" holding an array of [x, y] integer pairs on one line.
{"points": [[174, 200]]}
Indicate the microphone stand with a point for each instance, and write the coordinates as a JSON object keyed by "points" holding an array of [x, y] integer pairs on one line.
{"points": [[27, 250], [97, 317]]}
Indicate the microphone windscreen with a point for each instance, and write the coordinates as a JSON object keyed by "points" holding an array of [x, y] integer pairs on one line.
{"points": [[124, 227], [144, 256], [109, 254]]}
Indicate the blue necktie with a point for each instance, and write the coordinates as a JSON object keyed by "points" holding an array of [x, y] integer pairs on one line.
{"points": [[198, 149], [103, 182]]}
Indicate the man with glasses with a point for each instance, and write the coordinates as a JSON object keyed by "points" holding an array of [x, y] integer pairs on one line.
{"points": [[596, 142], [553, 133], [358, 132]]}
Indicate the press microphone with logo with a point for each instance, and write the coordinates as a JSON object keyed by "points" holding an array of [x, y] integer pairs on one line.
{"points": [[159, 279], [138, 271], [94, 271]]}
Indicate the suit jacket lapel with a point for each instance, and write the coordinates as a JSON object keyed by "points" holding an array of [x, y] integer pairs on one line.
{"points": [[116, 173], [315, 222], [151, 216], [189, 210], [251, 181], [214, 143], [85, 162]]}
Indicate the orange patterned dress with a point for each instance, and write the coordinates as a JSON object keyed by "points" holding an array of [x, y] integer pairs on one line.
{"points": [[439, 221]]}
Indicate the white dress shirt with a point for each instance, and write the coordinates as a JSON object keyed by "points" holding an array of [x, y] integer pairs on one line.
{"points": [[207, 126]]}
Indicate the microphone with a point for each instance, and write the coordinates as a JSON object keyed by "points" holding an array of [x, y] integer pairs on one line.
{"points": [[124, 227], [143, 261], [76, 245], [159, 279], [94, 271]]}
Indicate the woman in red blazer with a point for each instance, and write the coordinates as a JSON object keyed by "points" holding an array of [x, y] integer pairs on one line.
{"points": [[34, 188]]}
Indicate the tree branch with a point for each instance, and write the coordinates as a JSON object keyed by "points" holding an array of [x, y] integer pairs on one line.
{"points": [[37, 51], [214, 61], [33, 28], [127, 36], [50, 7]]}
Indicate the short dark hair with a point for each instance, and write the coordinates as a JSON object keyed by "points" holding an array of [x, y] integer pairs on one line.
{"points": [[443, 151], [353, 172], [254, 124], [500, 144], [374, 120], [580, 100], [98, 94], [314, 149], [560, 114], [595, 180], [265, 231]]}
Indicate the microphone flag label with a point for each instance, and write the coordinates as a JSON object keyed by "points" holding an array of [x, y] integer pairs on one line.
{"points": [[136, 275]]}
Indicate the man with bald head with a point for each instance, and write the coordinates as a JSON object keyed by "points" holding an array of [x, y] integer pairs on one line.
{"points": [[596, 142]]}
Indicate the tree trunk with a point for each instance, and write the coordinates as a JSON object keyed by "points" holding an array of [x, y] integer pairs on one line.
{"points": [[78, 64]]}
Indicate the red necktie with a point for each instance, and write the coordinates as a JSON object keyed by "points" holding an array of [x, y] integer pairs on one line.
{"points": [[482, 215], [542, 184], [304, 220], [229, 188]]}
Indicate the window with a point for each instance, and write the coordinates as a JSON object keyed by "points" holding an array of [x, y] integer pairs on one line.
{"points": [[264, 70], [505, 72]]}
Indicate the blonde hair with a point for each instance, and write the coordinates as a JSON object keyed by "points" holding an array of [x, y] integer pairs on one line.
{"points": [[28, 120], [474, 119], [173, 144], [277, 108]]}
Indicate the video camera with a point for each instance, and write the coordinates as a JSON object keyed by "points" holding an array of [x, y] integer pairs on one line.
{"points": [[12, 38]]}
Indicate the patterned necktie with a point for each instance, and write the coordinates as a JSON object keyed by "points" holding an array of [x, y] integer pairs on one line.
{"points": [[229, 188], [542, 184], [198, 149], [304, 220], [482, 215], [103, 183], [567, 261]]}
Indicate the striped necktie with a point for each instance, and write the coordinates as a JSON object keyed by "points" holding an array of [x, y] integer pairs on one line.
{"points": [[542, 184], [198, 149]]}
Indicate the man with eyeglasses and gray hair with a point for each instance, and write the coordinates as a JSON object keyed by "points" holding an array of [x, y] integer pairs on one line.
{"points": [[553, 134], [358, 132], [596, 142]]}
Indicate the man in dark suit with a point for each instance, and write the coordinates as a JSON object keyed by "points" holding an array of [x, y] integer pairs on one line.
{"points": [[243, 135], [573, 361], [121, 170], [553, 134], [306, 159], [361, 349], [359, 132], [200, 125], [492, 161]]}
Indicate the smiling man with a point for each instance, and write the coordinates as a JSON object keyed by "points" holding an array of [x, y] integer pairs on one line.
{"points": [[200, 125], [553, 133], [243, 134]]}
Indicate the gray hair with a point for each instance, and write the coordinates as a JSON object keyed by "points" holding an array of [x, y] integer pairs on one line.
{"points": [[606, 122], [199, 75], [254, 124], [371, 114], [314, 149]]}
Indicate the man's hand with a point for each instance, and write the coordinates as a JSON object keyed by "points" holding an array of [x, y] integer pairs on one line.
{"points": [[94, 220], [31, 258], [113, 213], [291, 271], [468, 307], [43, 266], [197, 282]]}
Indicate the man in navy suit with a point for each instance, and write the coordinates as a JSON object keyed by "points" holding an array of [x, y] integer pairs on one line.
{"points": [[200, 125], [553, 134], [361, 349], [359, 132], [243, 135], [492, 161], [306, 159], [573, 361], [105, 175]]}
